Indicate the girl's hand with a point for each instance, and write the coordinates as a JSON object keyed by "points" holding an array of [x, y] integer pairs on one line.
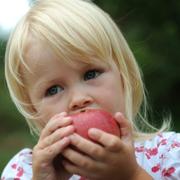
{"points": [[110, 158], [53, 139]]}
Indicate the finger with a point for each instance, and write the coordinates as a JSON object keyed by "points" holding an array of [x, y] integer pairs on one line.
{"points": [[78, 163], [72, 169], [56, 136], [88, 147], [77, 158], [82, 171], [109, 141], [63, 114], [54, 124], [125, 127], [48, 154]]}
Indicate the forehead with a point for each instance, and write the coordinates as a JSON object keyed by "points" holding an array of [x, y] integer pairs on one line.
{"points": [[39, 52], [36, 53]]}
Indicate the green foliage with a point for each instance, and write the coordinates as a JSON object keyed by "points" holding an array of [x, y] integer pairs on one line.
{"points": [[11, 143]]}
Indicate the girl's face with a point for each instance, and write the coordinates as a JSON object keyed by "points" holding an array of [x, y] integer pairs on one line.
{"points": [[55, 86]]}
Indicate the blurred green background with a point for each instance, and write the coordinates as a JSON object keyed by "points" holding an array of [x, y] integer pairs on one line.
{"points": [[152, 29]]}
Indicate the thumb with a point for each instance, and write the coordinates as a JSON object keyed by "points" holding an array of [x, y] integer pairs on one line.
{"points": [[125, 127]]}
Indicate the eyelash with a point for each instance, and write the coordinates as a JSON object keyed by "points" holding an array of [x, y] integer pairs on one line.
{"points": [[98, 72], [49, 93], [95, 74]]}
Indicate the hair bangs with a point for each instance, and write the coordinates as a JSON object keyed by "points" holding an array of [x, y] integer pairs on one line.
{"points": [[80, 38]]}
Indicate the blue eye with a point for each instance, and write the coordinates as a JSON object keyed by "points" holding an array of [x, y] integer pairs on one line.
{"points": [[91, 74], [53, 90]]}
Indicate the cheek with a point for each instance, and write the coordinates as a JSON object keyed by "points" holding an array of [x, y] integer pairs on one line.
{"points": [[120, 100], [46, 111], [115, 102], [115, 96]]}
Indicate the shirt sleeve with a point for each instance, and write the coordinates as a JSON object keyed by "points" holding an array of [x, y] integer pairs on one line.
{"points": [[19, 167], [160, 156], [171, 158]]}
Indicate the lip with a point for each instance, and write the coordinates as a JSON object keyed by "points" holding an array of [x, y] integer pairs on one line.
{"points": [[84, 110]]}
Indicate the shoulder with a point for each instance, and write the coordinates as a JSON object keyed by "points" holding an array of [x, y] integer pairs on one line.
{"points": [[20, 166], [160, 155]]}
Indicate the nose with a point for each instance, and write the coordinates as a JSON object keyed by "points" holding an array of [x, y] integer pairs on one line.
{"points": [[79, 101]]}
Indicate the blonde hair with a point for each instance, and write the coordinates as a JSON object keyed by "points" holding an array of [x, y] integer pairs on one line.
{"points": [[75, 28]]}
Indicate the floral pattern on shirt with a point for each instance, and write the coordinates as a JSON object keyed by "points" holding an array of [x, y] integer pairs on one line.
{"points": [[159, 156]]}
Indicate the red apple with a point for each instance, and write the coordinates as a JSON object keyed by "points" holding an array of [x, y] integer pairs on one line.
{"points": [[94, 118]]}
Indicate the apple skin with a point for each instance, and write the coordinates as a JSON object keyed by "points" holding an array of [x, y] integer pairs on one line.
{"points": [[94, 118]]}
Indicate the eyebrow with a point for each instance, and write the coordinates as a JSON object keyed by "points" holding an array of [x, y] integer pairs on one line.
{"points": [[43, 82]]}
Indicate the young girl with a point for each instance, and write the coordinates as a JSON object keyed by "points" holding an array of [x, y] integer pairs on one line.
{"points": [[66, 56]]}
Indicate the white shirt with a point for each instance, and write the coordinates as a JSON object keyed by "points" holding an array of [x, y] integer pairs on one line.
{"points": [[159, 156]]}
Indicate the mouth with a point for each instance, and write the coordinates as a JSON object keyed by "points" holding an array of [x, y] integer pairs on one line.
{"points": [[85, 110]]}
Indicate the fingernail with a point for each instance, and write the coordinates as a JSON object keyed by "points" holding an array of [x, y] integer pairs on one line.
{"points": [[73, 138], [63, 113], [93, 132], [71, 128], [65, 140], [120, 114]]}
